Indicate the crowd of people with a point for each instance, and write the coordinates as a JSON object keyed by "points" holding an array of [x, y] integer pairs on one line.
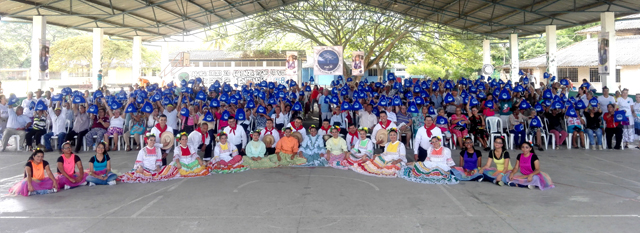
{"points": [[362, 126]]}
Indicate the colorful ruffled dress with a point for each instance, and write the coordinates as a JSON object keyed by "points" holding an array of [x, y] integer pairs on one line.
{"points": [[490, 173], [434, 170], [148, 159], [257, 149], [527, 166], [312, 148], [226, 159], [470, 169], [188, 159], [362, 149], [381, 166], [286, 148], [40, 182], [337, 148]]}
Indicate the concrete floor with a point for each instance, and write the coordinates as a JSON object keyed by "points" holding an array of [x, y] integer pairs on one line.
{"points": [[596, 191]]}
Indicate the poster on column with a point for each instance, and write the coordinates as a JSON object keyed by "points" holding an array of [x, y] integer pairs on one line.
{"points": [[357, 68], [328, 60], [44, 59], [292, 63], [603, 53]]}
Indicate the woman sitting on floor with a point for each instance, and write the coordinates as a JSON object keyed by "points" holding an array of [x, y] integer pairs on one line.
{"points": [[100, 168], [148, 166], [389, 162], [256, 150], [287, 150], [225, 156], [361, 152], [187, 160], [313, 149], [67, 163], [35, 181], [470, 163], [435, 168], [336, 148], [501, 157], [526, 172]]}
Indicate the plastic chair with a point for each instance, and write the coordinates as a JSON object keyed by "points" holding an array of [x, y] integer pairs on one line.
{"points": [[570, 136], [549, 135], [55, 137], [543, 135], [495, 128]]}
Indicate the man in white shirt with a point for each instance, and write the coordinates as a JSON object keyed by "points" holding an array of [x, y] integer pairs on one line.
{"points": [[422, 142], [352, 137], [157, 130], [384, 124], [325, 129], [605, 99], [367, 118], [296, 126], [391, 115], [270, 130], [58, 122], [16, 125], [172, 115], [200, 139], [236, 135], [279, 118], [26, 103]]}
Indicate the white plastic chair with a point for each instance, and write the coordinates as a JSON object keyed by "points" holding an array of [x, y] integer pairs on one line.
{"points": [[549, 135], [543, 135], [55, 137], [570, 136], [494, 125]]}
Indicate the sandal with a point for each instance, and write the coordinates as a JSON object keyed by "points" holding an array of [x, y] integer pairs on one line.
{"points": [[128, 149]]}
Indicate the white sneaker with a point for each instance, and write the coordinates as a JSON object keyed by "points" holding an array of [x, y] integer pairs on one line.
{"points": [[55, 190], [67, 187], [85, 183], [500, 183], [593, 147], [29, 194], [92, 184], [113, 182], [480, 180], [531, 186]]}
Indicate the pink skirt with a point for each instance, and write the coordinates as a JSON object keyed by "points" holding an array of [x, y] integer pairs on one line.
{"points": [[62, 181], [114, 130], [22, 188]]}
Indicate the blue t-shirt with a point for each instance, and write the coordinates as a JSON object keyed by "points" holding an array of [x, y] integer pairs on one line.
{"points": [[324, 107]]}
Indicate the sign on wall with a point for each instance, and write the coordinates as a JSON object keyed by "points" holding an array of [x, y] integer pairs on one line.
{"points": [[292, 63], [233, 75], [357, 66], [603, 53], [328, 60]]}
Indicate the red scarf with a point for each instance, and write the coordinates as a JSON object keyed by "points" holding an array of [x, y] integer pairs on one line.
{"points": [[354, 135], [326, 131], [433, 126], [203, 135], [293, 125], [385, 126], [233, 129], [270, 131], [161, 129]]}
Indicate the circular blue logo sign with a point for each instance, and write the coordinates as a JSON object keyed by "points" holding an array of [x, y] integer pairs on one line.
{"points": [[328, 60]]}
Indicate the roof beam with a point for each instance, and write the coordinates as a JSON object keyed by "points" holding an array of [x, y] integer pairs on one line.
{"points": [[124, 13], [130, 14], [498, 19], [524, 9], [235, 8], [63, 11], [205, 9]]}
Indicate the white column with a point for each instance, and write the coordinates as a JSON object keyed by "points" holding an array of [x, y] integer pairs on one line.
{"points": [[515, 62], [552, 63], [136, 61], [38, 39], [486, 52], [607, 23], [96, 61]]}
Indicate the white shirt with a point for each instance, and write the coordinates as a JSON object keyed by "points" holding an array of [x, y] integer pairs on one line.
{"points": [[58, 122], [353, 139], [367, 119], [15, 121], [302, 131], [379, 127], [156, 132], [626, 105], [172, 118], [25, 105], [117, 122], [237, 136], [392, 117], [323, 132], [423, 140], [339, 118], [195, 138], [274, 132], [282, 119], [605, 101], [151, 122]]}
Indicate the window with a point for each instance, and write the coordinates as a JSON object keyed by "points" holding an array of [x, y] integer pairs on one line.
{"points": [[594, 77], [276, 63], [617, 75], [399, 69], [373, 72], [248, 64], [571, 73]]}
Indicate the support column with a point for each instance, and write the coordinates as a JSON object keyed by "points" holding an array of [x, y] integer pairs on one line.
{"points": [[552, 63], [486, 52], [515, 62], [136, 61], [38, 39], [607, 23], [96, 61]]}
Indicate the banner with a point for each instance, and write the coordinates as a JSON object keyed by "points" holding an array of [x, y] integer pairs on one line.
{"points": [[328, 60], [603, 53], [357, 66], [292, 63]]}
